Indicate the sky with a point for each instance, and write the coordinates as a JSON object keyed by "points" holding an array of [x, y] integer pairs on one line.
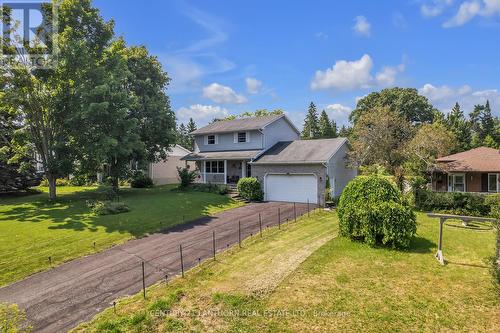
{"points": [[227, 57]]}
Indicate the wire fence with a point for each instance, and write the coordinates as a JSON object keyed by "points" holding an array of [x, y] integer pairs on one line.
{"points": [[161, 260]]}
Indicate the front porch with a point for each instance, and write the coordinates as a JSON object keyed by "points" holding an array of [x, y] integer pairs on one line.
{"points": [[223, 171]]}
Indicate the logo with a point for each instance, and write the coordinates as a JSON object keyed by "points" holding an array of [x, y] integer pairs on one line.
{"points": [[28, 33]]}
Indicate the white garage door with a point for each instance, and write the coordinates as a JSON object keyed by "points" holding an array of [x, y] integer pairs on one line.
{"points": [[292, 188]]}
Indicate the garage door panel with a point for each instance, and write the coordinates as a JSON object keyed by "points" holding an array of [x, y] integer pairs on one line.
{"points": [[292, 188]]}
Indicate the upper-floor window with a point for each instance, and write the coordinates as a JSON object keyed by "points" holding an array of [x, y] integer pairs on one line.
{"points": [[242, 137], [211, 139]]}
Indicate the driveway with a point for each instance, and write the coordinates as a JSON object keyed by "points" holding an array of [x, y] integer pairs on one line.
{"points": [[59, 299]]}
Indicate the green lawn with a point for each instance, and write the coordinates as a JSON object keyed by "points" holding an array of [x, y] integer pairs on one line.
{"points": [[305, 279], [33, 228]]}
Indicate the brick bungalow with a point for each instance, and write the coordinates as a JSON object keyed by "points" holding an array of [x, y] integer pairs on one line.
{"points": [[475, 170]]}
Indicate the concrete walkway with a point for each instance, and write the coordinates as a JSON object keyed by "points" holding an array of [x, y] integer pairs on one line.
{"points": [[59, 299]]}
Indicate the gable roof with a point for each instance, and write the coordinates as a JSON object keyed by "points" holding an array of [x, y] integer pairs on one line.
{"points": [[301, 151], [241, 124], [482, 159]]}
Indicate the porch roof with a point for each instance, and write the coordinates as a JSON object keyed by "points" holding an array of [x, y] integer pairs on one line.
{"points": [[222, 155]]}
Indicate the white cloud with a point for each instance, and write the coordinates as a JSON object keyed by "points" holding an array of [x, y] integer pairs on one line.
{"points": [[223, 94], [345, 75], [472, 8], [435, 8], [338, 112], [321, 35], [467, 11], [387, 76], [444, 97], [201, 114], [188, 64], [361, 26], [253, 85]]}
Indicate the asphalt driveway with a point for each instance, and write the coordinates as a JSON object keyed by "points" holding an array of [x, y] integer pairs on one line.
{"points": [[59, 299]]}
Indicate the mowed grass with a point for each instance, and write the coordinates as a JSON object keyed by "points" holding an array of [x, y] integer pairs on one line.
{"points": [[304, 279], [32, 228]]}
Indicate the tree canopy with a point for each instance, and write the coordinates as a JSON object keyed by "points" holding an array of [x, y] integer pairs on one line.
{"points": [[407, 102]]}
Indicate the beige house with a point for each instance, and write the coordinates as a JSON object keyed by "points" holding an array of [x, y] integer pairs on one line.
{"points": [[165, 172]]}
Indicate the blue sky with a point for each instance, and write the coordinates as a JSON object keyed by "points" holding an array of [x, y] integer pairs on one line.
{"points": [[227, 57]]}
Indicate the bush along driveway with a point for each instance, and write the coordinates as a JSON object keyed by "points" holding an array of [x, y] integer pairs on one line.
{"points": [[59, 299]]}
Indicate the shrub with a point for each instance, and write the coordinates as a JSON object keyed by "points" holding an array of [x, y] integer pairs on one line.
{"points": [[108, 207], [250, 189], [373, 210], [59, 182], [186, 176], [456, 202], [211, 188], [140, 180], [12, 319]]}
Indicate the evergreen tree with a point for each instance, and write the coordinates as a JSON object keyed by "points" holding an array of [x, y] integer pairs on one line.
{"points": [[345, 131], [311, 127], [487, 122], [456, 123], [334, 129], [325, 126], [182, 135], [191, 127]]}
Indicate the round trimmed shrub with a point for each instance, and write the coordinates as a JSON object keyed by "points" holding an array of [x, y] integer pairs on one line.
{"points": [[140, 180], [250, 189], [372, 209]]}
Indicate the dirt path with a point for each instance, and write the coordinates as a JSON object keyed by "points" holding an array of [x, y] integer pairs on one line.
{"points": [[59, 299]]}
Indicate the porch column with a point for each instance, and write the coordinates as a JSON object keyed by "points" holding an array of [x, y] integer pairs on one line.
{"points": [[204, 172], [225, 171], [243, 169]]}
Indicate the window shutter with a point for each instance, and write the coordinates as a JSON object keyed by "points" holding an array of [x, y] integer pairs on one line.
{"points": [[235, 137], [216, 139], [206, 140], [247, 136]]}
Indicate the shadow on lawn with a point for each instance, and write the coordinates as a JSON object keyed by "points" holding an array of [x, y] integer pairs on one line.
{"points": [[152, 210], [421, 245]]}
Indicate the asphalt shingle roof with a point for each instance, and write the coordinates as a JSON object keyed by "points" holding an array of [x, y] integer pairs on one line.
{"points": [[482, 159], [243, 124], [301, 151]]}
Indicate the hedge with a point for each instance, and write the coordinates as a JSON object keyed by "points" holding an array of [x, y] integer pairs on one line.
{"points": [[458, 203]]}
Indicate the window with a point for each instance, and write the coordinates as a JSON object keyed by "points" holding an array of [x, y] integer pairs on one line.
{"points": [[493, 182], [211, 140], [214, 167], [242, 137], [456, 182]]}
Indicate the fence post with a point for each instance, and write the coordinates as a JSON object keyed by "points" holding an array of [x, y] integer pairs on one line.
{"points": [[239, 233], [279, 218], [143, 281], [307, 207], [213, 243], [294, 213], [182, 260], [260, 225]]}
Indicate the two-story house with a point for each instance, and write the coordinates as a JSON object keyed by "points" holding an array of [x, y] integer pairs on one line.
{"points": [[269, 148]]}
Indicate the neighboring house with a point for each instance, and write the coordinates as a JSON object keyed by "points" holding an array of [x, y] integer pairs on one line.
{"points": [[269, 148], [165, 172], [475, 170]]}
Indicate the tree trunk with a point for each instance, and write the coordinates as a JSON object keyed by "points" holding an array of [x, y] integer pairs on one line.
{"points": [[52, 186]]}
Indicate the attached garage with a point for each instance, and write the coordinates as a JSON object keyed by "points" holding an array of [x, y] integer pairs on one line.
{"points": [[291, 187], [297, 171]]}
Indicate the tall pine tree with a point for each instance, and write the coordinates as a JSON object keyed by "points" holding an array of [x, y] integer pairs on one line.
{"points": [[456, 123], [311, 126], [191, 127], [334, 129], [325, 126]]}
